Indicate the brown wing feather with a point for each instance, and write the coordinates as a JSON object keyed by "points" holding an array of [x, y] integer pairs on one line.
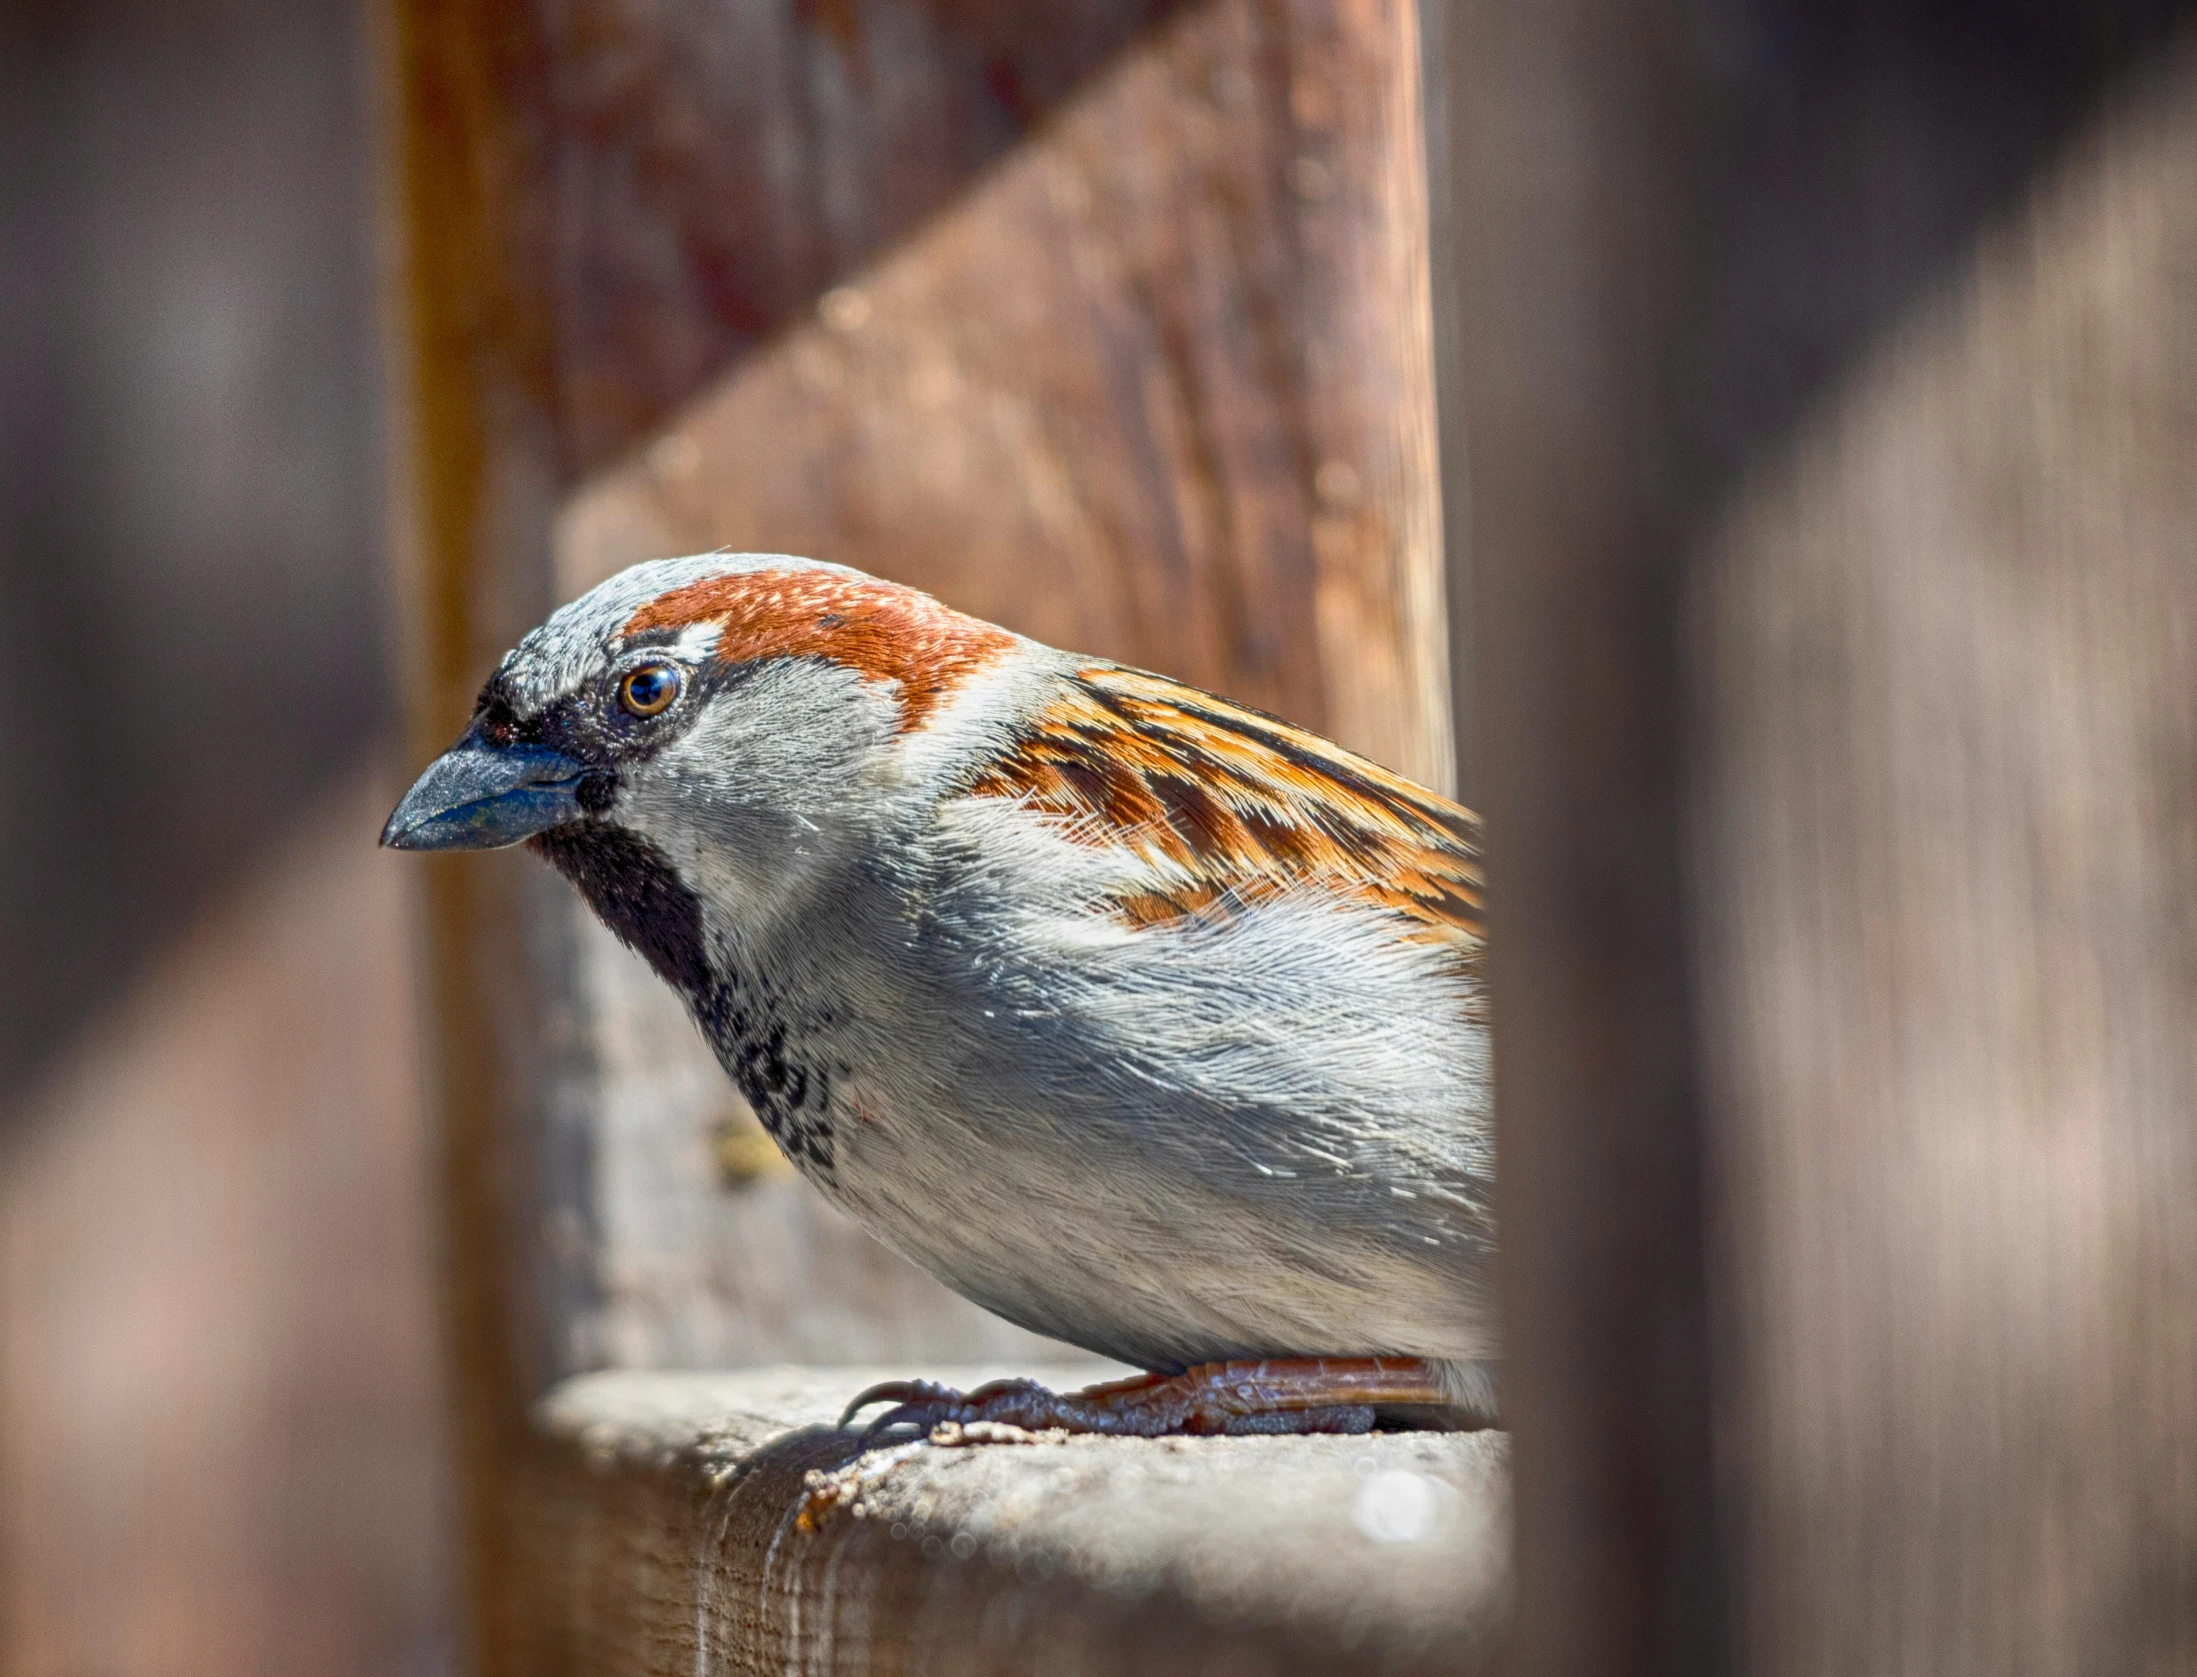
{"points": [[1233, 804]]}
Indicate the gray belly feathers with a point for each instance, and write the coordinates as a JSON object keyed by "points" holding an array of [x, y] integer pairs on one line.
{"points": [[1086, 1130]]}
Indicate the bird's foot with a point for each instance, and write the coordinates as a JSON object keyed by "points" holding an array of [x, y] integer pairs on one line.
{"points": [[1280, 1395]]}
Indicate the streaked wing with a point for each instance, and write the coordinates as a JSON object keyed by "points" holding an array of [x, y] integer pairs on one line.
{"points": [[1227, 804]]}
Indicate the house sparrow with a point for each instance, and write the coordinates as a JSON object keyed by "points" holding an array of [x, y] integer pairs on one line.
{"points": [[1144, 1019]]}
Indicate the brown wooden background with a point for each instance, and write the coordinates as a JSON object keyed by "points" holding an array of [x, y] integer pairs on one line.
{"points": [[1818, 442], [1815, 384]]}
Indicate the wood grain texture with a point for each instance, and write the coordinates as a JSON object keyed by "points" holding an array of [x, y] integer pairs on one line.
{"points": [[718, 167], [665, 1529], [1158, 388], [1948, 656]]}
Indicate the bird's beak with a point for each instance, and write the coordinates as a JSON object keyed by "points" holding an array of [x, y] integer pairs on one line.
{"points": [[478, 796]]}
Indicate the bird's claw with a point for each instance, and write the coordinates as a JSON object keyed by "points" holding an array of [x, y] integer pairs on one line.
{"points": [[900, 1392], [924, 1404]]}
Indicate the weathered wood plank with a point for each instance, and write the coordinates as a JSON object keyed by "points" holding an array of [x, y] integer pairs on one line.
{"points": [[1158, 387], [1948, 654], [718, 167], [665, 1531]]}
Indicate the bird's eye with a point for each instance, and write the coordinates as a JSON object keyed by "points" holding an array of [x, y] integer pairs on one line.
{"points": [[649, 689]]}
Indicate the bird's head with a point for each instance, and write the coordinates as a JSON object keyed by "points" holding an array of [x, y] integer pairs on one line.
{"points": [[714, 725]]}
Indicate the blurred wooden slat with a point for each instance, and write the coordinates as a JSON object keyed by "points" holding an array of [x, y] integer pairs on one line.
{"points": [[1835, 584], [1948, 769], [1573, 139], [220, 1417]]}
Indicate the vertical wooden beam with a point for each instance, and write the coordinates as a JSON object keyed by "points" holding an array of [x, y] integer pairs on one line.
{"points": [[477, 472], [1831, 567], [1447, 236], [1573, 206]]}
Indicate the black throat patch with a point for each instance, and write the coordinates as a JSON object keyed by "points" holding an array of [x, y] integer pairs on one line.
{"points": [[634, 890]]}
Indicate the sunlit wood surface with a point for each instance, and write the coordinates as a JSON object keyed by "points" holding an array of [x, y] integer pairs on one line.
{"points": [[668, 1531]]}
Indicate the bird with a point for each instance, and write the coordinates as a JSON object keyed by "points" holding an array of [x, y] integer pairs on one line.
{"points": [[1144, 1019]]}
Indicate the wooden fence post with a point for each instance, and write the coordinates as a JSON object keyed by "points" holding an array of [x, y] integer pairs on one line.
{"points": [[477, 479], [1834, 589], [1572, 143]]}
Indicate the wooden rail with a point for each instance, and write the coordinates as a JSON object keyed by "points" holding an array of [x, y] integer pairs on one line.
{"points": [[720, 1522]]}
